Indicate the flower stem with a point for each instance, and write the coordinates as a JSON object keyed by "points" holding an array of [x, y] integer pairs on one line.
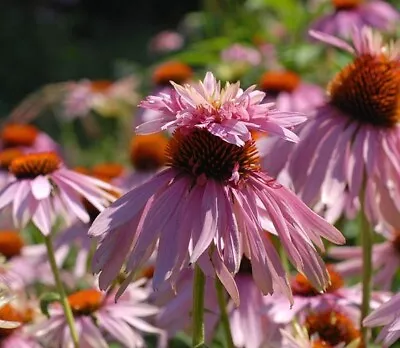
{"points": [[366, 242], [64, 301], [198, 308], [224, 315]]}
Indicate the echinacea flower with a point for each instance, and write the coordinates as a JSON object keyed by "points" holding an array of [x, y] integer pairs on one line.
{"points": [[308, 299], [5, 298], [107, 98], [99, 320], [388, 316], [20, 267], [228, 113], [349, 148], [289, 92], [147, 155], [330, 329], [209, 201], [166, 41], [162, 76], [17, 334], [43, 187], [357, 13], [385, 260], [26, 138], [238, 53]]}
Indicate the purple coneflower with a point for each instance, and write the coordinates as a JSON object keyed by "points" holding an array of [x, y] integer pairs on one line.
{"points": [[357, 13], [289, 92], [385, 260], [327, 329], [100, 320], [42, 184], [210, 202], [228, 113], [166, 41], [27, 139], [102, 96], [351, 146], [388, 316], [238, 53]]}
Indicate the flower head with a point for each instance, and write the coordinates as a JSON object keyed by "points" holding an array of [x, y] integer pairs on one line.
{"points": [[352, 139], [43, 187], [228, 113], [100, 320], [357, 13], [211, 200]]}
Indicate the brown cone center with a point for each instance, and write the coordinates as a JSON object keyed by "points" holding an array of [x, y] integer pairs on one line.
{"points": [[14, 135], [171, 71], [11, 243], [32, 165], [85, 302], [275, 82]]}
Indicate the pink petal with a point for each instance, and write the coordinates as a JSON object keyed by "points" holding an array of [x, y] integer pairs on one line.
{"points": [[40, 187]]}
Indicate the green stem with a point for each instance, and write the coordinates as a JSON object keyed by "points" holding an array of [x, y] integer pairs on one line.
{"points": [[366, 242], [64, 300], [224, 315], [198, 308]]}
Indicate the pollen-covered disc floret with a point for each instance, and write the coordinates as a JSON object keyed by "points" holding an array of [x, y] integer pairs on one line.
{"points": [[147, 152], [30, 166], [368, 90], [85, 302], [200, 153], [275, 82], [332, 328]]}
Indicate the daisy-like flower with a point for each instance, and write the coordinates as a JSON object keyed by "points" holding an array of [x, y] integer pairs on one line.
{"points": [[349, 13], [353, 137], [162, 76], [385, 260], [16, 331], [210, 201], [43, 187], [228, 113], [166, 41], [21, 261], [147, 155], [330, 329], [105, 97], [26, 138], [99, 320], [289, 92], [388, 316]]}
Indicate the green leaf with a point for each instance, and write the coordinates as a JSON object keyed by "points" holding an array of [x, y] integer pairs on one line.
{"points": [[46, 300]]}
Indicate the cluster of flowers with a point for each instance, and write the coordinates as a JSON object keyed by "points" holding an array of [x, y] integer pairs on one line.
{"points": [[229, 198]]}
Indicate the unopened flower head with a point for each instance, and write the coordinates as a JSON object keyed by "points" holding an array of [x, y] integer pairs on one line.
{"points": [[43, 187], [228, 113]]}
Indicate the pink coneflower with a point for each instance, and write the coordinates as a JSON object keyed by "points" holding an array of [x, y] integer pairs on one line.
{"points": [[353, 137], [289, 92], [357, 13], [328, 329], [388, 316], [238, 53], [385, 260], [166, 41], [105, 97], [228, 113], [147, 155], [17, 337], [42, 184], [100, 320], [26, 138], [20, 267], [307, 298], [209, 201], [162, 76]]}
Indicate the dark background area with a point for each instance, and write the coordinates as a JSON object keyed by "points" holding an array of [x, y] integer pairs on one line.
{"points": [[45, 41]]}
